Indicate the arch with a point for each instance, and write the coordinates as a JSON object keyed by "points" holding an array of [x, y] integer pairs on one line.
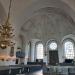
{"points": [[68, 45], [69, 37], [48, 49]]}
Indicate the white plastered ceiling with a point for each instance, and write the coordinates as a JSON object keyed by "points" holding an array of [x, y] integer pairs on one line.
{"points": [[23, 10], [20, 7]]}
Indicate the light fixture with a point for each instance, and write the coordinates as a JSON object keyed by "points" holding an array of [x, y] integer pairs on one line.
{"points": [[6, 32]]}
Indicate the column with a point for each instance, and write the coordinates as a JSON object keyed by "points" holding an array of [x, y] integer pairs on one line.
{"points": [[32, 51]]}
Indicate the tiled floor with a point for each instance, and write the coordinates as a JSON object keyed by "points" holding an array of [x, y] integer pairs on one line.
{"points": [[37, 73]]}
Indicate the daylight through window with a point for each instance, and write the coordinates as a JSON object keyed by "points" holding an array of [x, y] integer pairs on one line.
{"points": [[69, 49], [39, 51]]}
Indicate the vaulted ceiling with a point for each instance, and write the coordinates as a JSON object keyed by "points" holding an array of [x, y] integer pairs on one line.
{"points": [[23, 10], [19, 7]]}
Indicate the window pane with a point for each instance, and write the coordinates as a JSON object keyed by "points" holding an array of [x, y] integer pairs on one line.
{"points": [[69, 50], [39, 51], [53, 46]]}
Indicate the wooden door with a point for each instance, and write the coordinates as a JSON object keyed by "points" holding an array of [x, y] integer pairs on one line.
{"points": [[53, 57]]}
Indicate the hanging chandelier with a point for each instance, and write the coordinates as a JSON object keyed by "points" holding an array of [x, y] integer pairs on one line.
{"points": [[6, 32]]}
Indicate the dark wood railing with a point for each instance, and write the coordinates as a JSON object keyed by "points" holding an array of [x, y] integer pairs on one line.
{"points": [[19, 69]]}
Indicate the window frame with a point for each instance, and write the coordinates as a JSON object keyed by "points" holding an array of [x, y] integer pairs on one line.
{"points": [[68, 40], [36, 44], [52, 41]]}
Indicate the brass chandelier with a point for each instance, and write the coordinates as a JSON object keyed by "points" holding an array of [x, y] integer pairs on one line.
{"points": [[6, 32]]}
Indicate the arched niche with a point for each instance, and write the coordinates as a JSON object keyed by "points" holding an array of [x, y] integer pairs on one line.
{"points": [[61, 48]]}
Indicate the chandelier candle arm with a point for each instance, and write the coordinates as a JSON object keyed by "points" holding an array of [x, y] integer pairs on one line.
{"points": [[6, 32]]}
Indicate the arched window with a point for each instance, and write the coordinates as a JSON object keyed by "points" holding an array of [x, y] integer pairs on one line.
{"points": [[39, 51], [69, 49], [53, 45]]}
